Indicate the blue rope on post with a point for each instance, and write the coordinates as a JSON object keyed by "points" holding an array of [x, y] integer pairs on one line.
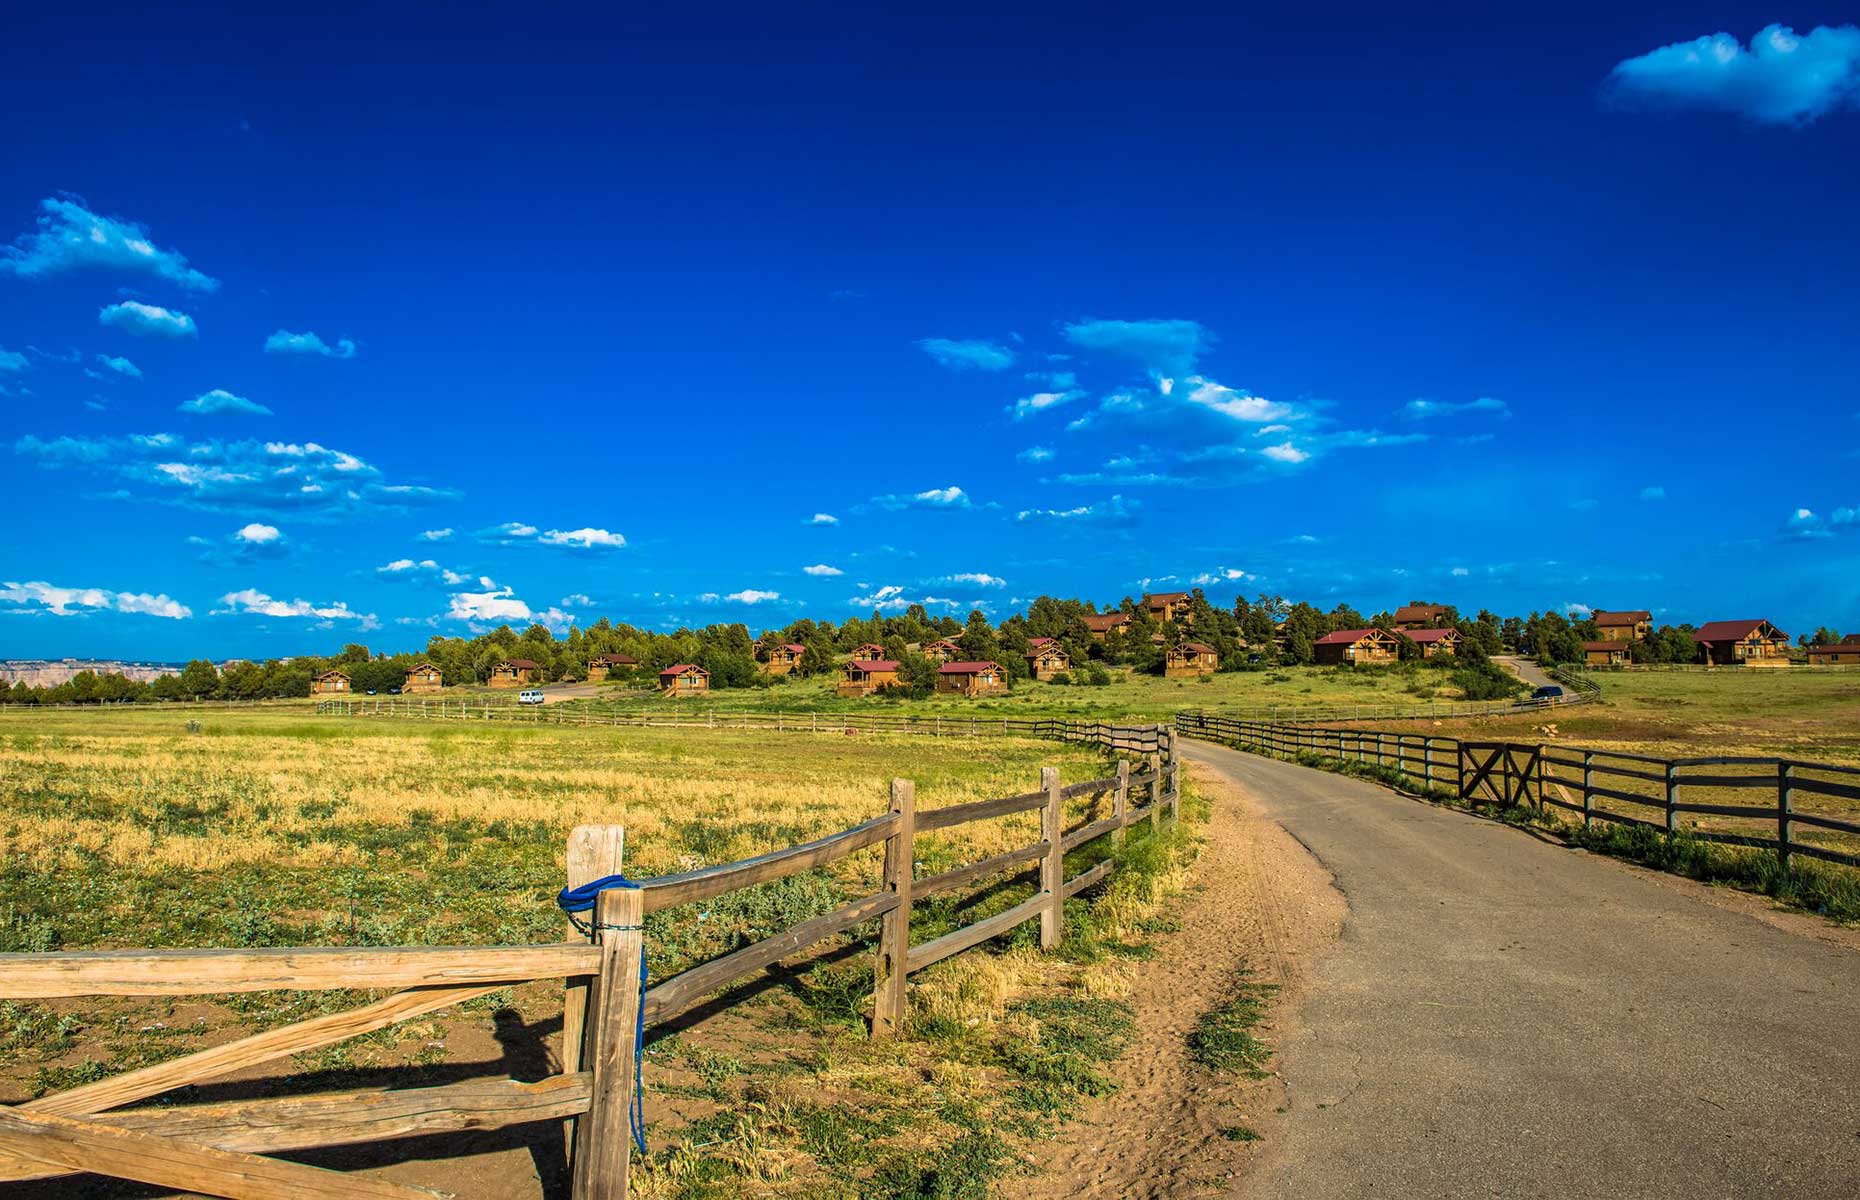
{"points": [[580, 900]]}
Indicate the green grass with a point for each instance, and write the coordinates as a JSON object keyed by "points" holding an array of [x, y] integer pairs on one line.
{"points": [[1226, 1039]]}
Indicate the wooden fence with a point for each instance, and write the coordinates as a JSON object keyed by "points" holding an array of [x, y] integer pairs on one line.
{"points": [[1810, 806], [222, 1149]]}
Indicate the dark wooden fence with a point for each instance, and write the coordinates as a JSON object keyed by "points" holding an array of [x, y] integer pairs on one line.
{"points": [[1811, 807], [222, 1149]]}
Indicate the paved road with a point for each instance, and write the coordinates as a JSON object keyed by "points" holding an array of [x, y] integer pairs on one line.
{"points": [[1532, 674], [1506, 1017]]}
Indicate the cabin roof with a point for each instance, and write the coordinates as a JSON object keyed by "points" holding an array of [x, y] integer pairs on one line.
{"points": [[332, 671], [1348, 637], [616, 660], [974, 667], [1419, 612], [1199, 647], [873, 664], [1732, 631], [1425, 636], [1155, 598], [1632, 616], [1105, 622], [522, 664], [683, 669], [1622, 646]]}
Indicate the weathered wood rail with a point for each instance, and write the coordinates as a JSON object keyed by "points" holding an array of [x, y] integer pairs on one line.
{"points": [[224, 1149], [1804, 802]]}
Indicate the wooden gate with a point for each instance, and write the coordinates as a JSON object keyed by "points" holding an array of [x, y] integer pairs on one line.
{"points": [[1498, 772]]}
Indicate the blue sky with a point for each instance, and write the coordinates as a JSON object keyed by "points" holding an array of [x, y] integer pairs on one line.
{"points": [[370, 326]]}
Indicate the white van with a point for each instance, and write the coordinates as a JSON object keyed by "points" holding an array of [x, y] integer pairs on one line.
{"points": [[529, 696]]}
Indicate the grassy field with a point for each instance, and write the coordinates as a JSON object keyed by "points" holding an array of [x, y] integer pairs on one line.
{"points": [[1796, 713], [132, 828], [1128, 696]]}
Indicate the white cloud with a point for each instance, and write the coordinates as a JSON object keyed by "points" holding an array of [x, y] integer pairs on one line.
{"points": [[121, 366], [1115, 510], [1036, 454], [1805, 523], [576, 600], [1459, 572], [1221, 575], [12, 361], [1578, 611], [978, 578], [284, 342], [1782, 78], [582, 539], [1418, 410], [42, 597], [258, 534], [951, 497], [147, 320], [407, 566], [1238, 405], [822, 519], [1285, 452], [752, 596], [1167, 346], [967, 355], [219, 400], [495, 605], [69, 236], [435, 535], [1039, 402], [252, 602], [822, 569]]}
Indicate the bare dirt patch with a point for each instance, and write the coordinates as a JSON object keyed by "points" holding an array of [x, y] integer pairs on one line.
{"points": [[1262, 905]]}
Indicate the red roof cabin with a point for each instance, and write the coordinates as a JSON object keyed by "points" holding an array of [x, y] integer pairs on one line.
{"points": [[1102, 624], [783, 658], [868, 650], [1435, 641], [603, 666], [943, 650], [1844, 653], [1421, 616], [684, 679], [514, 672], [1357, 647], [330, 683], [1747, 643], [1609, 652], [422, 678], [1169, 606], [979, 678], [867, 675], [1190, 658], [1045, 658]]}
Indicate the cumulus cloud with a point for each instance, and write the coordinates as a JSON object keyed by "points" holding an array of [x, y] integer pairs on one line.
{"points": [[893, 598], [219, 400], [519, 533], [1420, 410], [967, 355], [12, 361], [1036, 454], [822, 519], [121, 366], [37, 596], [576, 600], [258, 534], [822, 570], [406, 567], [69, 237], [252, 602], [1285, 452], [147, 320], [1238, 405], [1039, 402], [1779, 79], [752, 596], [304, 478], [493, 605], [1806, 523], [1220, 575], [978, 578], [1168, 347], [944, 498], [435, 535], [307, 343]]}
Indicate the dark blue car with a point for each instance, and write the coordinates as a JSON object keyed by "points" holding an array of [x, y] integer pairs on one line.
{"points": [[1548, 692]]}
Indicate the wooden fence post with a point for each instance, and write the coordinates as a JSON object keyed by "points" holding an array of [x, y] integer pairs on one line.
{"points": [[603, 1140], [1120, 800], [1588, 787], [1155, 766], [1053, 866], [594, 852], [1175, 781], [1785, 804], [894, 935], [1672, 798]]}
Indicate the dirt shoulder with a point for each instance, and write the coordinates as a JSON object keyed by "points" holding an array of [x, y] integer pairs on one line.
{"points": [[1261, 904]]}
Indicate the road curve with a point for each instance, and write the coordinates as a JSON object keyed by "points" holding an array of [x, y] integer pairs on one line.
{"points": [[1503, 1016]]}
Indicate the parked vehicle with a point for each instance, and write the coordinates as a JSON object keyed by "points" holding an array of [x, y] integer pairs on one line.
{"points": [[395, 690], [529, 696], [1548, 692]]}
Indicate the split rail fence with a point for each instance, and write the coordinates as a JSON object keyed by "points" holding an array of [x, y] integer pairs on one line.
{"points": [[224, 1149], [1813, 808]]}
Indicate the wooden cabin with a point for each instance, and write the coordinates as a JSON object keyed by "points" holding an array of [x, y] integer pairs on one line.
{"points": [[1190, 658], [1629, 626], [869, 650], [1422, 616], [971, 678], [1609, 652], [684, 679], [1046, 659], [781, 659], [513, 673], [1169, 606], [330, 683], [1435, 641], [422, 678], [1844, 653], [943, 650], [1357, 647], [1102, 624], [867, 675], [1747, 643], [604, 666]]}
